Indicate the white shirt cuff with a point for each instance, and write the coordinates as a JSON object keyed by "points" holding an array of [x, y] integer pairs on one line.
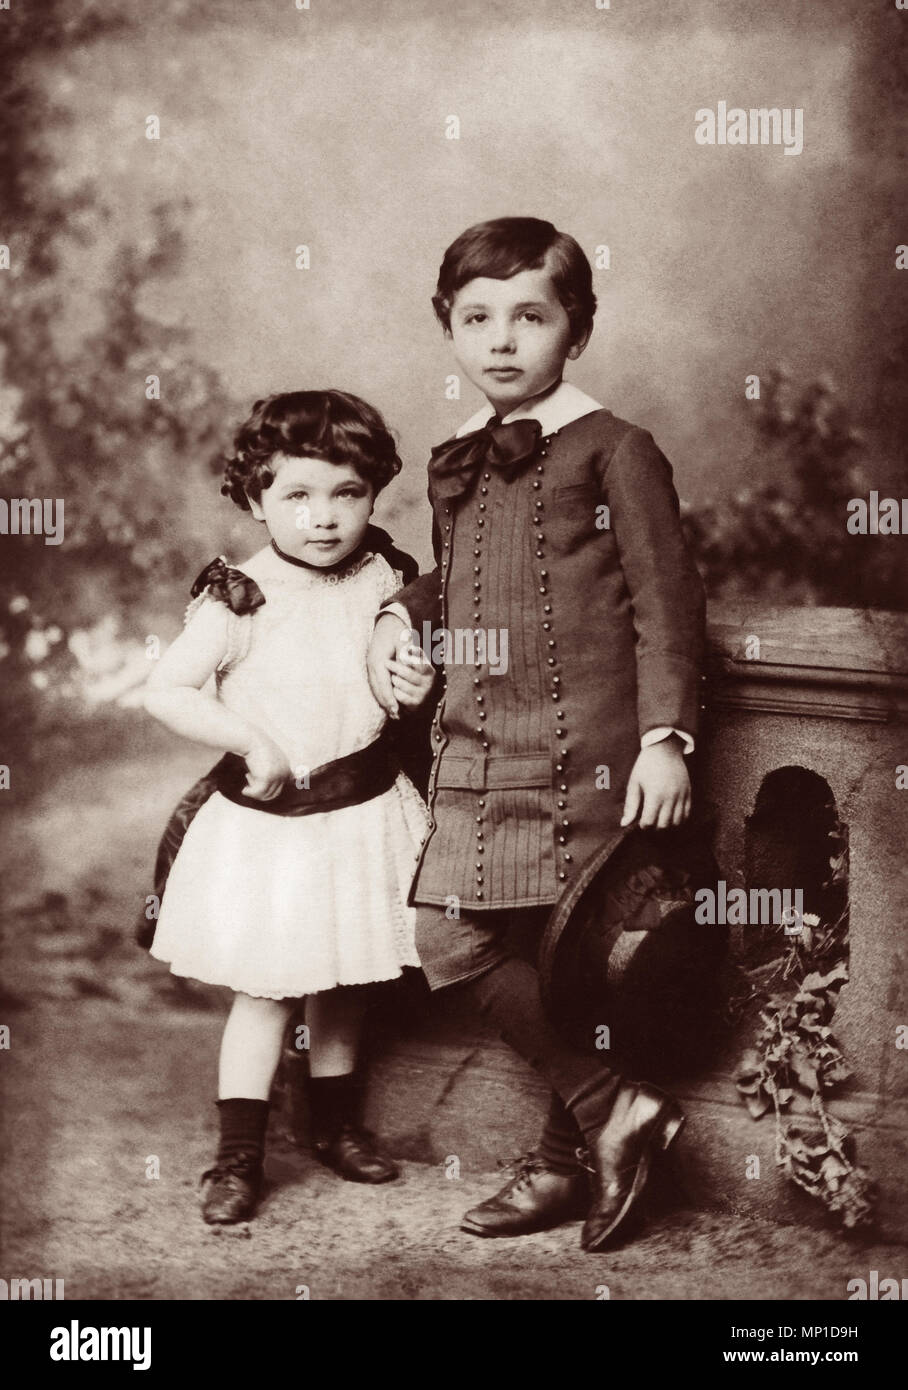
{"points": [[657, 735]]}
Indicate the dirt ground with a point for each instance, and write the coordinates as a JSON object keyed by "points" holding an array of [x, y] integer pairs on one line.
{"points": [[109, 1078], [96, 1094]]}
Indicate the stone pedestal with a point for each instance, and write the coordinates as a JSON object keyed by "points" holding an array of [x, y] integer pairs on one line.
{"points": [[826, 690]]}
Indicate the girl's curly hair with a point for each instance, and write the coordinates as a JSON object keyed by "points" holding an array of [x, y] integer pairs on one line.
{"points": [[332, 425]]}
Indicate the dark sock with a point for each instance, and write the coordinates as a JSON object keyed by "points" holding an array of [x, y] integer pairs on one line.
{"points": [[335, 1102], [560, 1139], [508, 995], [243, 1126], [591, 1104]]}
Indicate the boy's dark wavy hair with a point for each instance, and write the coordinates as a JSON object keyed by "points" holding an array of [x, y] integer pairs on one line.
{"points": [[332, 425], [505, 246]]}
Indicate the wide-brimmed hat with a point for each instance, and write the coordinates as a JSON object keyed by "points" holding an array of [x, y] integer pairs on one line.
{"points": [[624, 966]]}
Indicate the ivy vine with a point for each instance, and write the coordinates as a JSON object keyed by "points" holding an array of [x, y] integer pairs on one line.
{"points": [[795, 1052]]}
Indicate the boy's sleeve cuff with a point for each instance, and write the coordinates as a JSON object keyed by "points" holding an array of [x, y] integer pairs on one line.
{"points": [[657, 735]]}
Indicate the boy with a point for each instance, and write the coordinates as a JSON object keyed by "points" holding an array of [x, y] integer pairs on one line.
{"points": [[556, 523]]}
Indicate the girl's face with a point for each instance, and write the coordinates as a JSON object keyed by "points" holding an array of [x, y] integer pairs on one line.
{"points": [[315, 510], [512, 337]]}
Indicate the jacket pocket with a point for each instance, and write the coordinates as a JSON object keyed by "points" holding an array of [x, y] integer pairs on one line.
{"points": [[575, 514]]}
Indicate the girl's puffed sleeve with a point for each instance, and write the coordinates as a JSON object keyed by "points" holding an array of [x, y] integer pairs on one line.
{"points": [[419, 596], [238, 595]]}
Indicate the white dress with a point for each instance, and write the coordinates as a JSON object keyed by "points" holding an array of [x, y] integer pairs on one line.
{"points": [[284, 906]]}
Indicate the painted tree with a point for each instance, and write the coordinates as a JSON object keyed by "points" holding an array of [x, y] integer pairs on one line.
{"points": [[110, 426], [787, 540]]}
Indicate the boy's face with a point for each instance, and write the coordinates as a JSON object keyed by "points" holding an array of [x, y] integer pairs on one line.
{"points": [[315, 510], [512, 337]]}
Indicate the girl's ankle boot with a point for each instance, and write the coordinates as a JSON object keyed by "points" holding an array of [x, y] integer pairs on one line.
{"points": [[231, 1189], [339, 1140]]}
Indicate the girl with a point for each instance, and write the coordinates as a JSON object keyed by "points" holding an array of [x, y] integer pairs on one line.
{"points": [[291, 879]]}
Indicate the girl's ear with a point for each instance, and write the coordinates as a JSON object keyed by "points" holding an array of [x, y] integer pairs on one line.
{"points": [[255, 507]]}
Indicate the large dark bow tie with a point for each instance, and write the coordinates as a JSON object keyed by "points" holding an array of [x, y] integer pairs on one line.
{"points": [[455, 464]]}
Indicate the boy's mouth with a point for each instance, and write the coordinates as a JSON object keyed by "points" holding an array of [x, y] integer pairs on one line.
{"points": [[504, 373]]}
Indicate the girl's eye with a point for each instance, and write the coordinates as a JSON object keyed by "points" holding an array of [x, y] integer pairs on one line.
{"points": [[532, 316], [475, 318]]}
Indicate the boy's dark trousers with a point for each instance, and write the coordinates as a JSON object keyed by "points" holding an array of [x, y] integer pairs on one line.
{"points": [[485, 954]]}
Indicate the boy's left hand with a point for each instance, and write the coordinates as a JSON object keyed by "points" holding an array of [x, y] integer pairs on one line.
{"points": [[660, 785]]}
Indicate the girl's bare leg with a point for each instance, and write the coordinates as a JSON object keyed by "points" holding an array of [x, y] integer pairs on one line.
{"points": [[251, 1046]]}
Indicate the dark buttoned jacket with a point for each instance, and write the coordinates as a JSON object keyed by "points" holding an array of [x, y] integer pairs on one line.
{"points": [[580, 560]]}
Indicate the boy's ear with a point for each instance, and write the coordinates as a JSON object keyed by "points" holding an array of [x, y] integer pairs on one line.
{"points": [[577, 348]]}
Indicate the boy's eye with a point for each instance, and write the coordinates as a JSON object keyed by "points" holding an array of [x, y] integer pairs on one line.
{"points": [[532, 316], [475, 318]]}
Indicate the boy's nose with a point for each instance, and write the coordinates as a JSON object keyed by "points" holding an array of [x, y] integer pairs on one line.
{"points": [[503, 339]]}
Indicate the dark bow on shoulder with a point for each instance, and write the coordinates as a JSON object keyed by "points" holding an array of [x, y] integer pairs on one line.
{"points": [[229, 586], [455, 464]]}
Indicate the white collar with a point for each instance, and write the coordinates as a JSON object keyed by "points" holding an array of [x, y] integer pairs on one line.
{"points": [[564, 405]]}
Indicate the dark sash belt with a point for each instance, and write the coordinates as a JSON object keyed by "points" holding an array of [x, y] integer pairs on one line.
{"points": [[332, 786], [347, 781]]}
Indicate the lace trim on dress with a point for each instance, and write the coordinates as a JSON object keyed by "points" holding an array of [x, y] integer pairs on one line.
{"points": [[341, 574], [239, 639]]}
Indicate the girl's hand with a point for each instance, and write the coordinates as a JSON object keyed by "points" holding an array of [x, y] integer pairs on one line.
{"points": [[268, 769], [659, 782]]}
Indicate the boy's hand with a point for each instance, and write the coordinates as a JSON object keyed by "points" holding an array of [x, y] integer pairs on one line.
{"points": [[399, 672], [660, 784], [268, 769], [412, 674], [386, 637]]}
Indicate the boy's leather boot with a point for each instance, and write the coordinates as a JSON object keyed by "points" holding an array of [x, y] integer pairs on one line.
{"points": [[643, 1121], [535, 1199]]}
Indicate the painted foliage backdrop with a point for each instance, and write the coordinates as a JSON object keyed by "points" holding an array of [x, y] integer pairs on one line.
{"points": [[329, 127]]}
